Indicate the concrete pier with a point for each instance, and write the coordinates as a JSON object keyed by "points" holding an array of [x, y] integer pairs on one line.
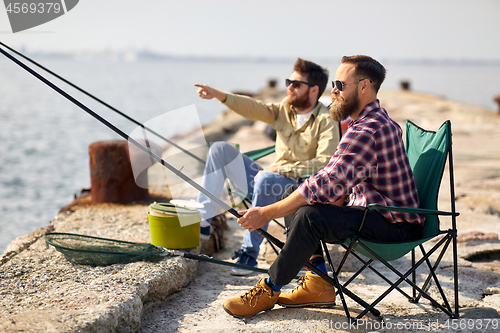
{"points": [[41, 291]]}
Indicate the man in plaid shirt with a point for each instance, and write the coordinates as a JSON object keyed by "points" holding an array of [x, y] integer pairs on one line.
{"points": [[371, 160], [369, 166]]}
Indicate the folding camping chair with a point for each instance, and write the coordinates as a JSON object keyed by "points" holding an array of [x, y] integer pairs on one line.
{"points": [[427, 152]]}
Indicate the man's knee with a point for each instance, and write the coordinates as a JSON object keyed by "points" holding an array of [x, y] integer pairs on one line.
{"points": [[264, 177], [222, 153], [222, 148]]}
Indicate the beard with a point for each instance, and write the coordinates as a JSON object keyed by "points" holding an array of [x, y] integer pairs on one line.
{"points": [[300, 102], [343, 108]]}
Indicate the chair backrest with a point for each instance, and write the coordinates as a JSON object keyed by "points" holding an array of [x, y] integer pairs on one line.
{"points": [[427, 152]]}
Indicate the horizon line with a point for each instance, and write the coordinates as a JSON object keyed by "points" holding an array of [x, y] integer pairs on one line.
{"points": [[147, 55]]}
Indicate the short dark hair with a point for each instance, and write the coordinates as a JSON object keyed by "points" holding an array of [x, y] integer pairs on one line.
{"points": [[316, 74], [367, 67]]}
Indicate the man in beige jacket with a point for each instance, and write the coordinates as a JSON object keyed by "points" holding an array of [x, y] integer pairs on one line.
{"points": [[306, 138]]}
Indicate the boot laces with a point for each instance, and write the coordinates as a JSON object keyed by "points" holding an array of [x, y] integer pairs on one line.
{"points": [[300, 282], [251, 297]]}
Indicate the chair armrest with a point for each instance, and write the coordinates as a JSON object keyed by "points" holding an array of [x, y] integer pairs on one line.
{"points": [[411, 210], [259, 153]]}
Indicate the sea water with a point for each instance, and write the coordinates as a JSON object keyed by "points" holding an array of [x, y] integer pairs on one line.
{"points": [[44, 138]]}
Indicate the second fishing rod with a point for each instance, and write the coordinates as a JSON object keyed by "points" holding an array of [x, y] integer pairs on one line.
{"points": [[334, 281], [105, 104], [246, 200]]}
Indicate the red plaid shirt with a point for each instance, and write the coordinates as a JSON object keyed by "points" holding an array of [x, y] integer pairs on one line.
{"points": [[371, 164]]}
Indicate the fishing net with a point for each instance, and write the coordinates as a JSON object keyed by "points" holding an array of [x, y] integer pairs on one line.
{"points": [[96, 251]]}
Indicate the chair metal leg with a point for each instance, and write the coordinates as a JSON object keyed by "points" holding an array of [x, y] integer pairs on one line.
{"points": [[455, 275], [438, 260], [349, 251], [413, 275], [436, 281], [355, 275], [335, 279], [453, 230], [344, 258], [403, 277], [343, 287], [367, 264]]}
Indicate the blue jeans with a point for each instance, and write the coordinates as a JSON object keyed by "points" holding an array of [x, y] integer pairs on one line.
{"points": [[268, 188], [224, 161]]}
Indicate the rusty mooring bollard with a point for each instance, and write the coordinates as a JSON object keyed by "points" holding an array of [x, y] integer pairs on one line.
{"points": [[111, 175], [497, 100]]}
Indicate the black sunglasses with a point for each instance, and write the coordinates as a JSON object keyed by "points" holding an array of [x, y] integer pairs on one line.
{"points": [[340, 85], [296, 84]]}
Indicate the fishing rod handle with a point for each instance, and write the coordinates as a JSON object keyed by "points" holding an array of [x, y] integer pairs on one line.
{"points": [[270, 238]]}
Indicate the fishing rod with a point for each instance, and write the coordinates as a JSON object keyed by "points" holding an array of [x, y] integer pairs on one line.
{"points": [[191, 182], [123, 135], [120, 113], [104, 103], [128, 118]]}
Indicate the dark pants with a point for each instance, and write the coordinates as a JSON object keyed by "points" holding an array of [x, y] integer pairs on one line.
{"points": [[332, 224]]}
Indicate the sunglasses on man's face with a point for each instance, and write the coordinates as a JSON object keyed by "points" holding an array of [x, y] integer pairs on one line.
{"points": [[296, 84], [340, 85]]}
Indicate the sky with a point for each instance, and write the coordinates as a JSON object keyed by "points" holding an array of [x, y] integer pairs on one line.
{"points": [[436, 29]]}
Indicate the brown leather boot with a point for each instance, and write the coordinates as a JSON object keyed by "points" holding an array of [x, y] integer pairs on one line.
{"points": [[312, 290], [259, 298]]}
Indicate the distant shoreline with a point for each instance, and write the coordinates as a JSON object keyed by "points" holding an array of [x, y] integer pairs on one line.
{"points": [[146, 56]]}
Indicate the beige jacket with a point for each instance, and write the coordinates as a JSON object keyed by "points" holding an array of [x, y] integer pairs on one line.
{"points": [[299, 151]]}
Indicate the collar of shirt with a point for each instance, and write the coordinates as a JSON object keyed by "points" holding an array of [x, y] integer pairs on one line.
{"points": [[375, 105], [293, 114], [303, 118]]}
